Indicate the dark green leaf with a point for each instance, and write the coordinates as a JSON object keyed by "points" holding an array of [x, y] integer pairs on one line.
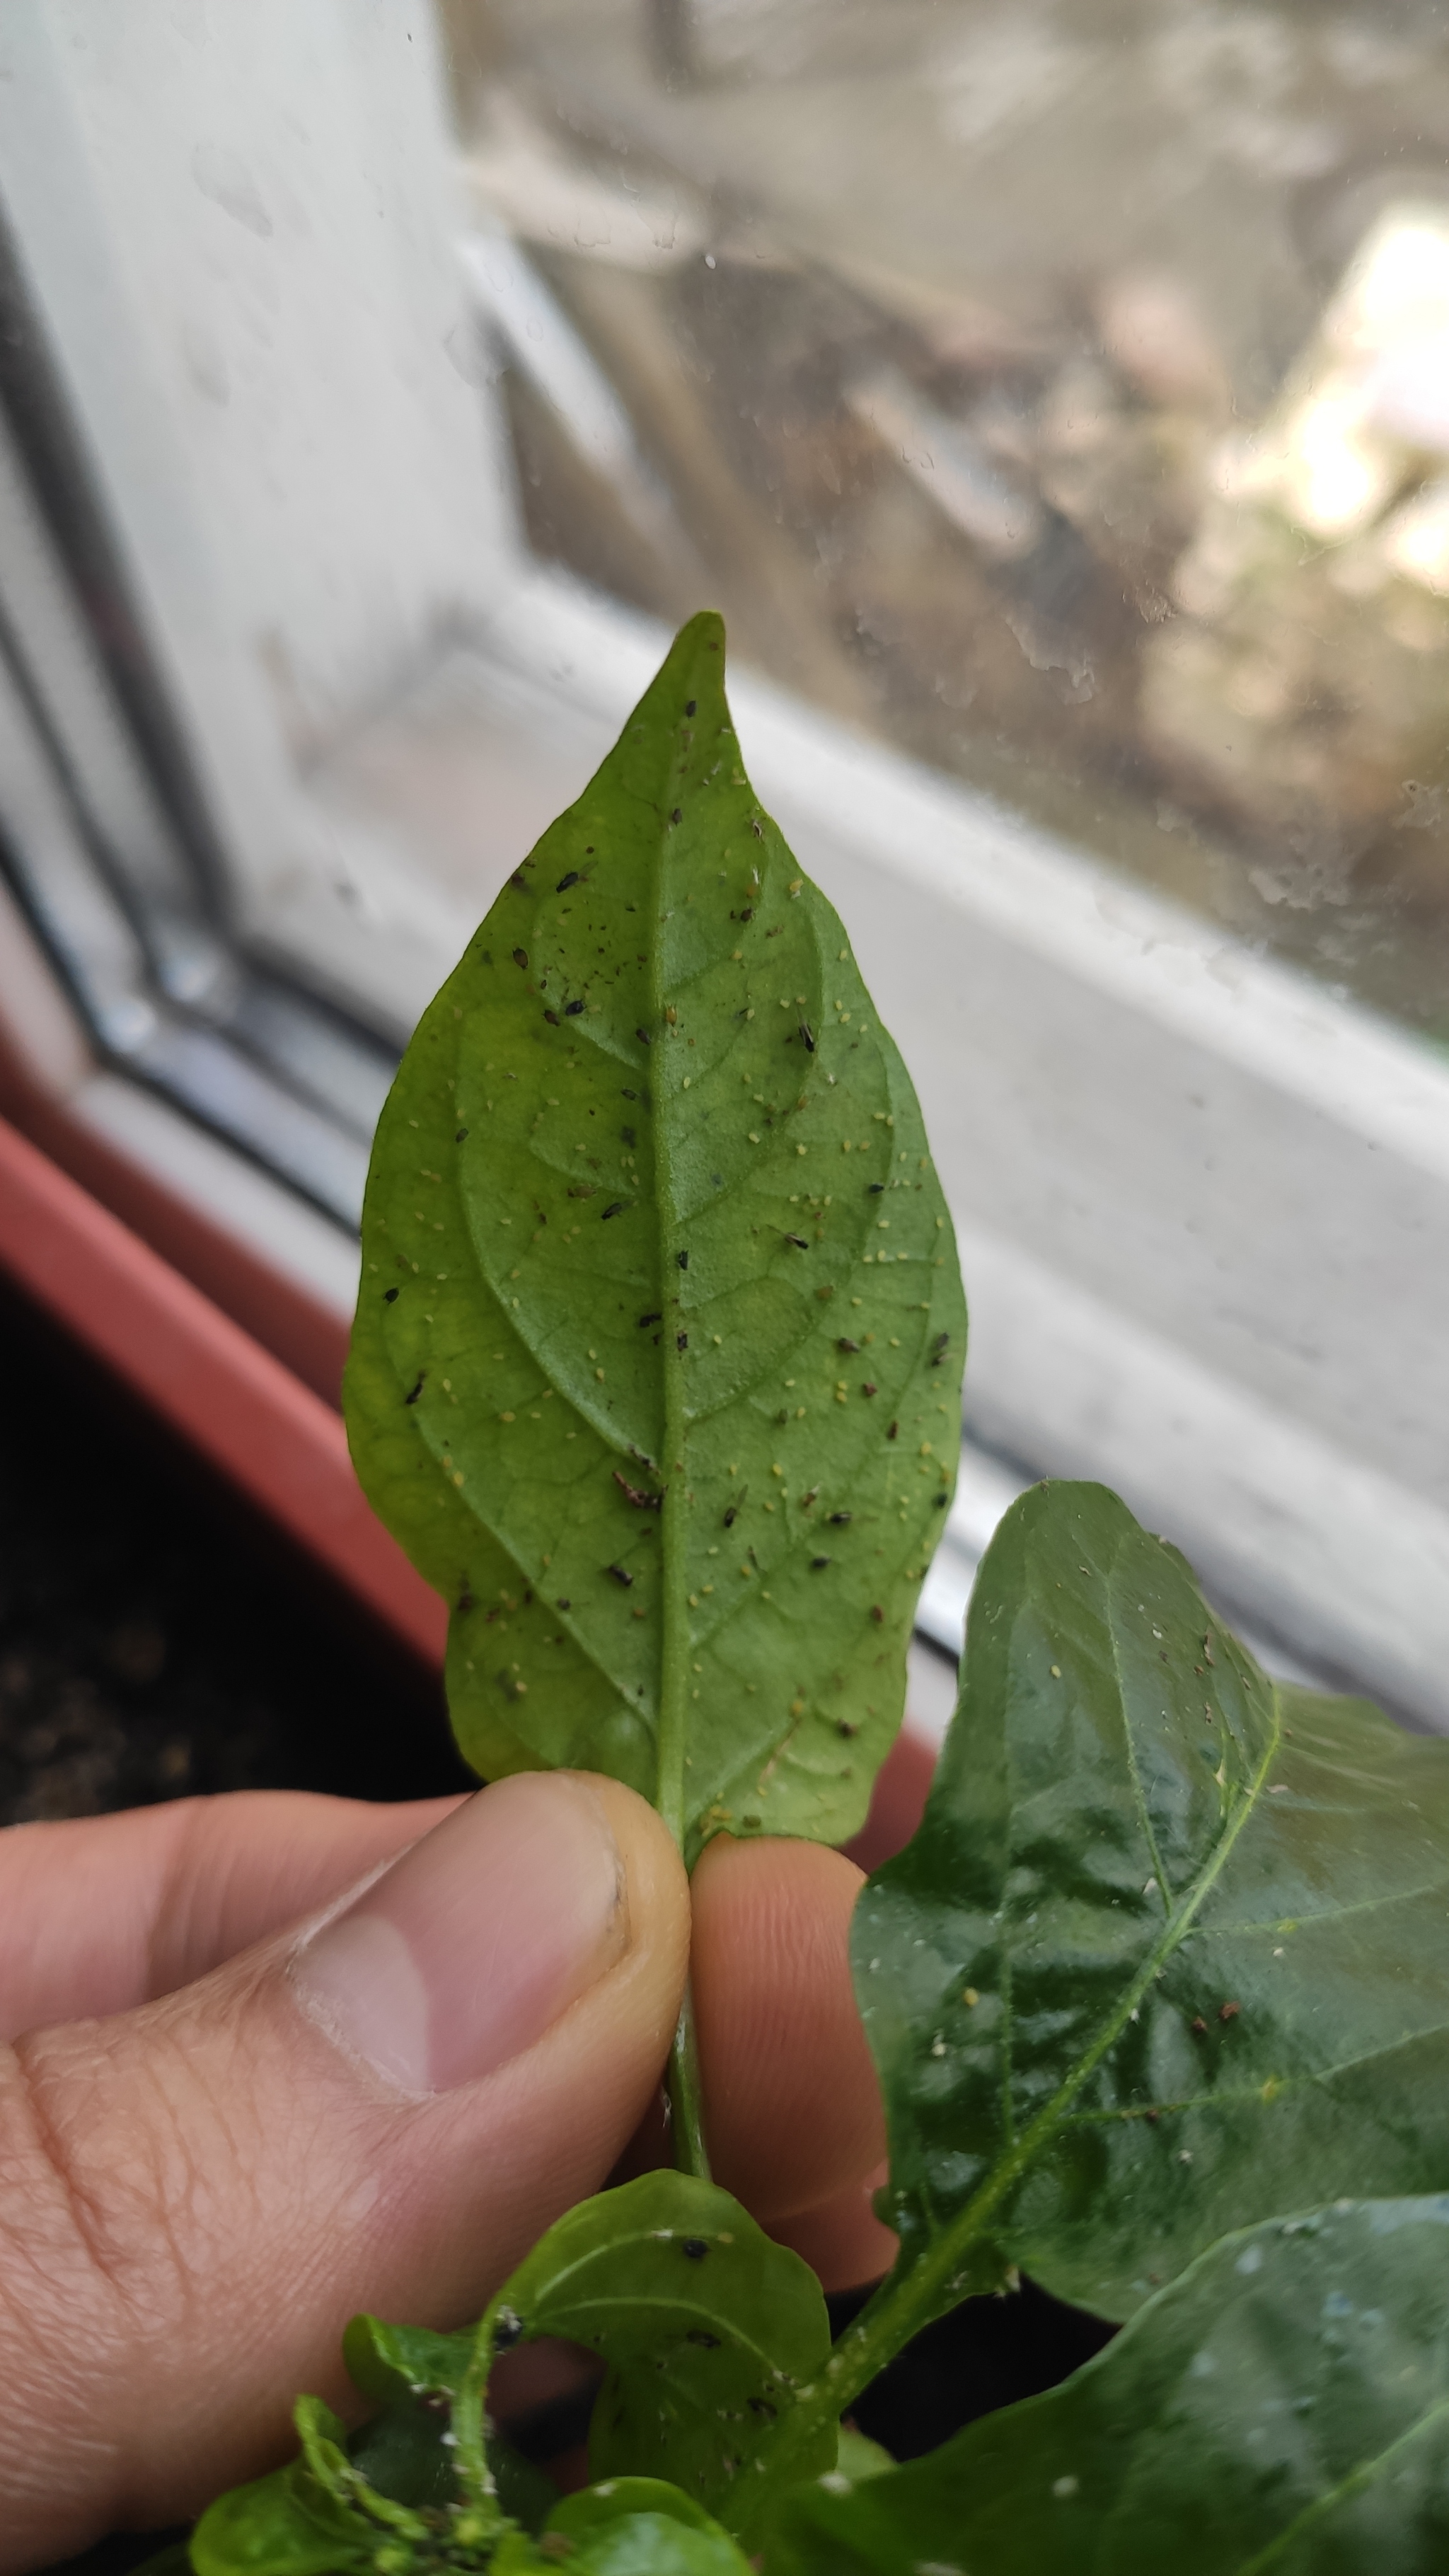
{"points": [[657, 1359], [707, 2328], [1170, 1951], [1284, 2406]]}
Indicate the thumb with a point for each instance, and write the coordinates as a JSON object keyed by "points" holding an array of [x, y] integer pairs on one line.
{"points": [[383, 2112]]}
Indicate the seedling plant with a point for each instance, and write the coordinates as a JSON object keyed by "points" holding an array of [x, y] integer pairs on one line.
{"points": [[656, 1375]]}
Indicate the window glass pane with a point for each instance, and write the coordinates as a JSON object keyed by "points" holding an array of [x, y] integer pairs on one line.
{"points": [[1062, 392]]}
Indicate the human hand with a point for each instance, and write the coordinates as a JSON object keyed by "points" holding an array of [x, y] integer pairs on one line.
{"points": [[253, 2097]]}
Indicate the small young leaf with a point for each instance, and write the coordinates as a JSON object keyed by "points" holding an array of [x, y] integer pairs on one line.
{"points": [[660, 2542], [390, 2363], [406, 2450], [657, 1360], [859, 2457], [590, 2521], [1170, 1950], [283, 2525], [1282, 2406], [707, 2328]]}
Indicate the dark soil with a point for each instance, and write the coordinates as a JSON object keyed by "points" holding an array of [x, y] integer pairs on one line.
{"points": [[156, 1640]]}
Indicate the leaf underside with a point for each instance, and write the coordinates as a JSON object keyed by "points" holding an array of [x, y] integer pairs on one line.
{"points": [[706, 2325], [1283, 2406], [656, 1366], [1170, 1951]]}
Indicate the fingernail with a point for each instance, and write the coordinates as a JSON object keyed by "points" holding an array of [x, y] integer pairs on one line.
{"points": [[467, 1948]]}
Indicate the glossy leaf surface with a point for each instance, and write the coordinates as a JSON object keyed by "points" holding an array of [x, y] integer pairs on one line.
{"points": [[656, 1368], [1170, 1951], [706, 2325], [1284, 2406]]}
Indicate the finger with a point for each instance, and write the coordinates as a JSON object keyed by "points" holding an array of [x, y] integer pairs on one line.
{"points": [[195, 2196], [171, 1891], [843, 2240], [792, 2105]]}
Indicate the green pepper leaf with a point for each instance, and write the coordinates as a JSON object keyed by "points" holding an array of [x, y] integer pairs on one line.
{"points": [[643, 2527], [1170, 1951], [390, 2363], [706, 2325], [658, 2544], [656, 1367], [406, 2451], [283, 2525], [1284, 2406], [593, 2508]]}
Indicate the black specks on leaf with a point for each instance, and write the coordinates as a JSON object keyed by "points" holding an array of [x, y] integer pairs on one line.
{"points": [[682, 1259], [628, 1136], [807, 1039], [748, 914], [615, 1207], [840, 1520], [939, 1501], [620, 1574], [874, 1189], [552, 1018], [690, 705], [895, 1426], [678, 815], [736, 1507], [563, 1605], [818, 1563], [565, 882], [462, 1136], [520, 957], [706, 2342], [520, 880], [643, 1037], [681, 1341], [798, 1241], [646, 1320], [507, 2328], [641, 1502], [390, 1296], [870, 1388], [572, 1010], [415, 1391], [877, 1614], [846, 1344], [694, 2249], [626, 1093], [716, 1180]]}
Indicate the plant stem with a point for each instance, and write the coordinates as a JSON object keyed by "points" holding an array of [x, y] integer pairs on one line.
{"points": [[686, 2106]]}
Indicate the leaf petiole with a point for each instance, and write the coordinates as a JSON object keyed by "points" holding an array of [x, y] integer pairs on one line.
{"points": [[684, 2095]]}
